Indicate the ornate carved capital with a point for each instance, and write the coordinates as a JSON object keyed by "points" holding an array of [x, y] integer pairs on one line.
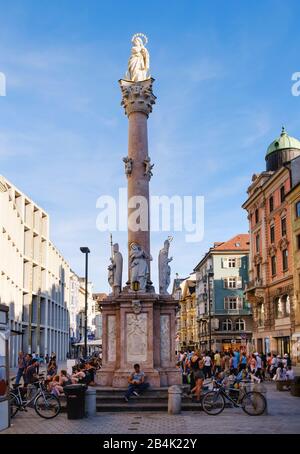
{"points": [[257, 259], [283, 243], [272, 250], [137, 96]]}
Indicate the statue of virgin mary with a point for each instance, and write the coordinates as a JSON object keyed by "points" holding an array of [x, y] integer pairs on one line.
{"points": [[138, 63]]}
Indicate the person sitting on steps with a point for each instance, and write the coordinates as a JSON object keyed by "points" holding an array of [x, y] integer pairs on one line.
{"points": [[136, 383]]}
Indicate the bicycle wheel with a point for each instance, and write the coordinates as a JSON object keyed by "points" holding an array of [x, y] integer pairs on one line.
{"points": [[14, 404], [47, 406], [213, 403], [254, 403]]}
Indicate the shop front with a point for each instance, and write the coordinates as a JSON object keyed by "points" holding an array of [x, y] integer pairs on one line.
{"points": [[283, 345]]}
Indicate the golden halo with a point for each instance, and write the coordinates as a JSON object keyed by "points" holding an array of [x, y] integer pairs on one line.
{"points": [[140, 35]]}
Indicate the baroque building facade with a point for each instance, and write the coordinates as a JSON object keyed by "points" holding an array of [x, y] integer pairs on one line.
{"points": [[293, 199], [270, 289]]}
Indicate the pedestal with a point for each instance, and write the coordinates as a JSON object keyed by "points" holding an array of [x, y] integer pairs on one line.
{"points": [[138, 328]]}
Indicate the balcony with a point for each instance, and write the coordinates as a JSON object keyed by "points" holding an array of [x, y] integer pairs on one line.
{"points": [[255, 283]]}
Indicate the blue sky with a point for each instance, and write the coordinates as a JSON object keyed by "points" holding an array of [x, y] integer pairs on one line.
{"points": [[223, 85]]}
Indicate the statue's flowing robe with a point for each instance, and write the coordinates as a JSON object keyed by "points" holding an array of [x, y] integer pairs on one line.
{"points": [[138, 63]]}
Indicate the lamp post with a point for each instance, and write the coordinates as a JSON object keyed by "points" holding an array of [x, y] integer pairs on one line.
{"points": [[86, 251], [210, 275]]}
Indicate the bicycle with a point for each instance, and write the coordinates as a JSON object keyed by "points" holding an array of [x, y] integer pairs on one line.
{"points": [[45, 404], [252, 402]]}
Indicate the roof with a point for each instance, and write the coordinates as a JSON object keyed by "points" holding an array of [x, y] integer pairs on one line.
{"points": [[240, 242], [282, 142]]}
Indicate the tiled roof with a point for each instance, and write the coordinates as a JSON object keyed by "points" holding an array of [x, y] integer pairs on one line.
{"points": [[237, 243]]}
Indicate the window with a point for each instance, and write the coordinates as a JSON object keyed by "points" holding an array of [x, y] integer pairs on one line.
{"points": [[272, 234], [240, 325], [273, 265], [231, 262], [256, 215], [271, 203], [227, 325], [283, 226], [297, 206], [258, 271], [233, 303], [232, 282], [285, 260], [298, 241], [257, 241], [282, 194], [230, 303]]}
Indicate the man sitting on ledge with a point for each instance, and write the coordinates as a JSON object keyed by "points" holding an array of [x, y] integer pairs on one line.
{"points": [[136, 382]]}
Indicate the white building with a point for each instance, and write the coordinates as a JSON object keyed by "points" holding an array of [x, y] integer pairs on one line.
{"points": [[36, 282]]}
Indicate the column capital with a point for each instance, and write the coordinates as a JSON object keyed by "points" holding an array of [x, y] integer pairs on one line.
{"points": [[137, 96]]}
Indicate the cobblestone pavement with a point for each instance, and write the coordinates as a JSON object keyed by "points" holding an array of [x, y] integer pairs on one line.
{"points": [[283, 418]]}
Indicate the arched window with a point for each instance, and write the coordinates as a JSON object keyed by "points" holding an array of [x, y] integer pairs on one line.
{"points": [[227, 325], [240, 325]]}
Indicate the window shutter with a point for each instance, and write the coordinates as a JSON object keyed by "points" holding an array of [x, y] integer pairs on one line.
{"points": [[225, 262], [239, 283], [225, 282], [239, 301], [226, 303], [239, 262]]}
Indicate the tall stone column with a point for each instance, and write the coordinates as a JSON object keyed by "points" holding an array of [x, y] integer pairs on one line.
{"points": [[137, 100]]}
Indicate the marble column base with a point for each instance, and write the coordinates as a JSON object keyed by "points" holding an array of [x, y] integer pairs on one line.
{"points": [[138, 328]]}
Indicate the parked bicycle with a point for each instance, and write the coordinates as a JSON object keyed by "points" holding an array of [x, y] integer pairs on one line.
{"points": [[252, 402], [45, 404]]}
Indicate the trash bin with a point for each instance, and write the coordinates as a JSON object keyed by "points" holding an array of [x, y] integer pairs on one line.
{"points": [[295, 387], [75, 395]]}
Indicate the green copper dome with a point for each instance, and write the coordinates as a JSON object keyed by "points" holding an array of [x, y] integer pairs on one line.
{"points": [[284, 141]]}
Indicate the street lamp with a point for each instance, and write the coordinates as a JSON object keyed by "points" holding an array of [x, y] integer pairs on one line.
{"points": [[210, 274], [86, 251]]}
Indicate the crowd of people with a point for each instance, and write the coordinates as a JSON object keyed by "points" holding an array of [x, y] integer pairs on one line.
{"points": [[197, 366], [29, 366]]}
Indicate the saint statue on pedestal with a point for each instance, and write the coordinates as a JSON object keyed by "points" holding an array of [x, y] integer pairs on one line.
{"points": [[139, 269], [115, 269], [138, 63], [164, 269]]}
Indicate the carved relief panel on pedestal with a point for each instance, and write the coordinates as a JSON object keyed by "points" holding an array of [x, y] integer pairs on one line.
{"points": [[165, 339], [137, 339], [111, 338]]}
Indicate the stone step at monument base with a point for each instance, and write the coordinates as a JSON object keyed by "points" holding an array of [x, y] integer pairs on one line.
{"points": [[154, 399]]}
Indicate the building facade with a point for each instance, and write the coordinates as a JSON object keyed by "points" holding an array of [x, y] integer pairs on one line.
{"points": [[293, 199], [221, 277], [271, 288], [187, 329], [35, 279]]}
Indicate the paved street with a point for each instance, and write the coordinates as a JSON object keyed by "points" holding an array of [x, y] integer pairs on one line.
{"points": [[283, 418]]}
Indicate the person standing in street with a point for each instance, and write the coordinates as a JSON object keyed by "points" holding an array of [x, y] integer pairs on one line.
{"points": [[197, 367], [243, 362], [21, 367], [258, 372], [217, 363], [207, 365]]}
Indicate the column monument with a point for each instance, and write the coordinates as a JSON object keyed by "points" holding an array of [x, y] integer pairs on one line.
{"points": [[138, 323]]}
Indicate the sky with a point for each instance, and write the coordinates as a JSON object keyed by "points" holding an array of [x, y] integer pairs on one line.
{"points": [[222, 74]]}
